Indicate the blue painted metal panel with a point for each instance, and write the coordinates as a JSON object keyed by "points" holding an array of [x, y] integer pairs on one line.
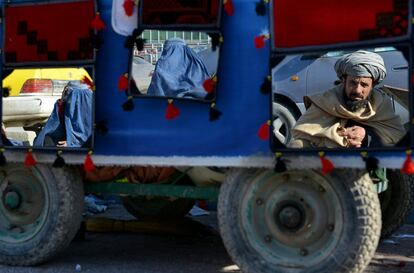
{"points": [[146, 132]]}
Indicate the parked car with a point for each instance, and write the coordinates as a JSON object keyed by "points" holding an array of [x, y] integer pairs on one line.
{"points": [[33, 93], [297, 76]]}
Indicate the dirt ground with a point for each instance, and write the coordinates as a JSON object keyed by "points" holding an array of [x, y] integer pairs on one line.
{"points": [[395, 254], [187, 247]]}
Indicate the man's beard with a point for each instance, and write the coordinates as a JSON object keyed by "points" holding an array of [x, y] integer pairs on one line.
{"points": [[355, 105]]}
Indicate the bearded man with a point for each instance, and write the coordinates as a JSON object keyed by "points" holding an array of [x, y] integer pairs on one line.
{"points": [[353, 113]]}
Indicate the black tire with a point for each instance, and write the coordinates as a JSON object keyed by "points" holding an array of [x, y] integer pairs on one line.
{"points": [[157, 207], [258, 243], [52, 202], [284, 119], [396, 202]]}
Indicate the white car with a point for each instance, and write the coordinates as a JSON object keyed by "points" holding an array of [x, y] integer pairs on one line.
{"points": [[33, 93]]}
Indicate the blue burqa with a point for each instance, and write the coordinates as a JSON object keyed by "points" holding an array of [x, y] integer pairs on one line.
{"points": [[73, 122], [179, 72]]}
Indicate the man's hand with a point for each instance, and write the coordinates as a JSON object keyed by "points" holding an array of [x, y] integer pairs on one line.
{"points": [[355, 135]]}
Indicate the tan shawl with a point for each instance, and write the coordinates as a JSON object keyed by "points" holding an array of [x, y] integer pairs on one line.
{"points": [[327, 116]]}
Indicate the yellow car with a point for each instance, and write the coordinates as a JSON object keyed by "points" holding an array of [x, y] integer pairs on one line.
{"points": [[20, 78]]}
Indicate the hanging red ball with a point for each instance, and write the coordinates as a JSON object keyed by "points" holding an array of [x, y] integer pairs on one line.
{"points": [[327, 165], [264, 131], [209, 85], [123, 82], [259, 41], [408, 166], [97, 23], [29, 160], [88, 165], [128, 7], [228, 7], [172, 111]]}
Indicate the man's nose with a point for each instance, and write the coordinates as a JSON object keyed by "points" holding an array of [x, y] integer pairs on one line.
{"points": [[359, 89]]}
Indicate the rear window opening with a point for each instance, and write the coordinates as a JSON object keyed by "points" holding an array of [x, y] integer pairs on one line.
{"points": [[298, 80], [31, 98]]}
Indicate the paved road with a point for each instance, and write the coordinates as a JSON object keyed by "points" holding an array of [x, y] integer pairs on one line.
{"points": [[200, 250]]}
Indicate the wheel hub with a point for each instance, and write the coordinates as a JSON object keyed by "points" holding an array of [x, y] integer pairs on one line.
{"points": [[23, 205], [290, 217], [12, 200]]}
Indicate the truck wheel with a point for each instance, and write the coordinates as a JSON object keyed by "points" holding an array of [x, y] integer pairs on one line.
{"points": [[157, 207], [396, 202], [299, 221], [40, 212]]}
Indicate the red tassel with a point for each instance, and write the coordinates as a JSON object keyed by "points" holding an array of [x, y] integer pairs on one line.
{"points": [[228, 7], [128, 7], [408, 166], [123, 82], [97, 22], [88, 82], [327, 165], [88, 165], [264, 131], [210, 84], [260, 41], [29, 160], [172, 111]]}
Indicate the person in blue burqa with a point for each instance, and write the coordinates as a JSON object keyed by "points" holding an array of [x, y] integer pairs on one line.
{"points": [[179, 72], [70, 124]]}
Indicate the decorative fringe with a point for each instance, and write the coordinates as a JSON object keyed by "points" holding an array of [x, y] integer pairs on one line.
{"points": [[266, 86], [228, 7], [88, 165], [371, 163], [29, 160], [123, 82], [88, 82], [97, 22], [327, 165], [408, 166], [214, 113], [264, 131], [140, 44], [128, 7], [2, 157], [216, 40], [172, 111], [6, 91], [59, 161], [260, 41], [261, 7], [210, 84], [280, 165], [128, 105]]}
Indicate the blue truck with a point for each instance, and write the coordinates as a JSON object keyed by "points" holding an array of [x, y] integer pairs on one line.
{"points": [[188, 84]]}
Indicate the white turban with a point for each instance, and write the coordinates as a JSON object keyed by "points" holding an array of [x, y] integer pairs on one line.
{"points": [[361, 63]]}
